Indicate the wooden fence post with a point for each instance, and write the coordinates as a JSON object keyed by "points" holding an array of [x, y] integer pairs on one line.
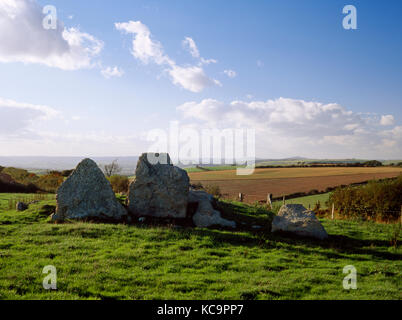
{"points": [[269, 200], [241, 197], [333, 210]]}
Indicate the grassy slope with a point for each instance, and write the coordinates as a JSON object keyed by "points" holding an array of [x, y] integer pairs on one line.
{"points": [[99, 261], [10, 199]]}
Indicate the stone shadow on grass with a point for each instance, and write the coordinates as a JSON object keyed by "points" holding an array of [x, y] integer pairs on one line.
{"points": [[342, 245]]}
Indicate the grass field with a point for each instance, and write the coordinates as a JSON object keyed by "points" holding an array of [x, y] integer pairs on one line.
{"points": [[308, 201], [285, 181], [105, 261], [8, 201], [213, 168]]}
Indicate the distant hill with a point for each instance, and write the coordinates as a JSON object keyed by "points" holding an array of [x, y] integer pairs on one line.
{"points": [[38, 164], [129, 164]]}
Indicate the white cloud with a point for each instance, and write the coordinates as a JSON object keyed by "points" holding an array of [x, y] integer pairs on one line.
{"points": [[147, 50], [23, 39], [387, 120], [230, 73], [189, 44], [31, 129], [17, 118], [191, 78], [144, 48], [291, 127], [110, 72]]}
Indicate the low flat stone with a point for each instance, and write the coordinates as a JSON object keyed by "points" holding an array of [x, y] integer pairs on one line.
{"points": [[295, 218]]}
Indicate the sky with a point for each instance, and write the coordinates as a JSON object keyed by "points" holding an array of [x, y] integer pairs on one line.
{"points": [[111, 73]]}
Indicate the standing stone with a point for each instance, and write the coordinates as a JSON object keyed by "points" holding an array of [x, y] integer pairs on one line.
{"points": [[159, 189], [87, 194], [206, 215], [297, 219]]}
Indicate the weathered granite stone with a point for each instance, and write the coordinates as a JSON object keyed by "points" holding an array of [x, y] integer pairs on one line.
{"points": [[297, 219], [205, 215], [87, 194], [159, 189]]}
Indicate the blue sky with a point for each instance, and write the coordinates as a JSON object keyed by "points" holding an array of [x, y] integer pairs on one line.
{"points": [[340, 89]]}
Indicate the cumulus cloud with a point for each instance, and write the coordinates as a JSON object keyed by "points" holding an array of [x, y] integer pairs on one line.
{"points": [[110, 72], [23, 39], [147, 50], [191, 78], [17, 118], [297, 127], [387, 120], [230, 73]]}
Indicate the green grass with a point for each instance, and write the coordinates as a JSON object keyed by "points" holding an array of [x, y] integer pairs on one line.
{"points": [[307, 201], [8, 201], [107, 261]]}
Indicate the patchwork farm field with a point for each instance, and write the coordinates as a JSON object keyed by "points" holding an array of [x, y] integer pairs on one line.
{"points": [[140, 261], [284, 181]]}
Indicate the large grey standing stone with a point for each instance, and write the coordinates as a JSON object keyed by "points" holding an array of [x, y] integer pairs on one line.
{"points": [[87, 194], [206, 215], [297, 219], [159, 189]]}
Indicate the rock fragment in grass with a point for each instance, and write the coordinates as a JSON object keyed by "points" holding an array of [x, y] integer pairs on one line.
{"points": [[205, 215], [21, 206]]}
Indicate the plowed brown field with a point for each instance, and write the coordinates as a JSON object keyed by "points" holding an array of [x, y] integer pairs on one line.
{"points": [[286, 181]]}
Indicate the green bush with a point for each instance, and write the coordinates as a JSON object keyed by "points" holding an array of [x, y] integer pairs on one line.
{"points": [[50, 182], [215, 190], [67, 173], [378, 200], [372, 163], [119, 184], [21, 176]]}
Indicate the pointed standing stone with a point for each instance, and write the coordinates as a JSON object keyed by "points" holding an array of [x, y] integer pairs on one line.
{"points": [[87, 194]]}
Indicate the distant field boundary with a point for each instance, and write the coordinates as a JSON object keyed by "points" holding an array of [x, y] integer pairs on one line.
{"points": [[329, 189], [249, 197]]}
